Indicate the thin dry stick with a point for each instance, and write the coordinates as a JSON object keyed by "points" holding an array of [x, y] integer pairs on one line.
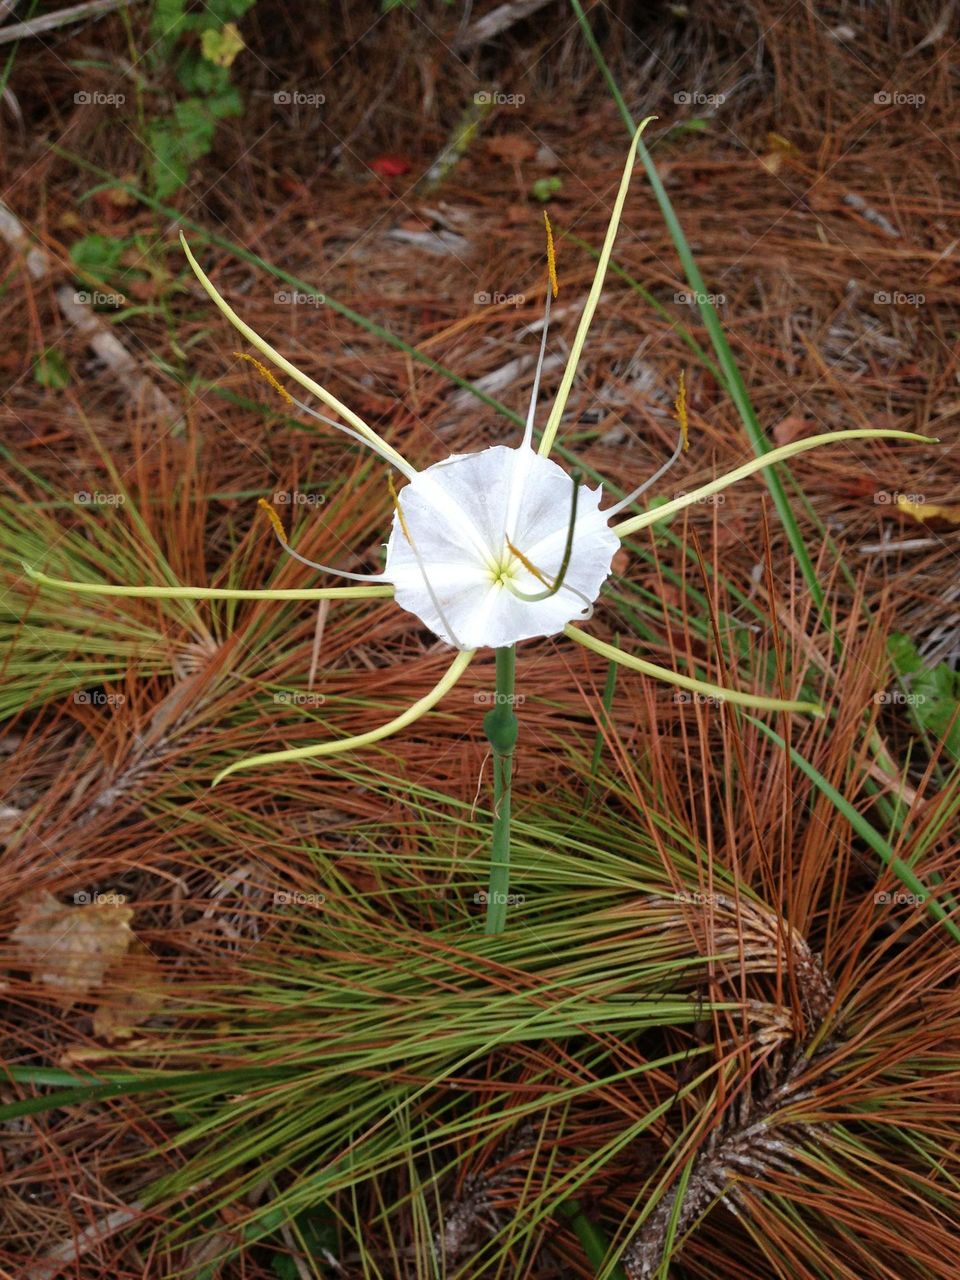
{"points": [[496, 22], [104, 343], [65, 1256], [108, 348], [63, 18]]}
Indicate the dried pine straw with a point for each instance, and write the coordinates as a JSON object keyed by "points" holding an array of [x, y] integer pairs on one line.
{"points": [[795, 1110]]}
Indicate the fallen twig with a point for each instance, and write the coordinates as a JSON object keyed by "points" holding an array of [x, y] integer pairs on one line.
{"points": [[71, 1251], [496, 22], [98, 335], [63, 18]]}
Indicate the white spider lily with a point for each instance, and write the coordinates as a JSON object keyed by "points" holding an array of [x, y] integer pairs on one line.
{"points": [[478, 540], [493, 547]]}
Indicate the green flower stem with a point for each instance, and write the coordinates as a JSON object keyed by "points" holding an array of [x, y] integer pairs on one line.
{"points": [[500, 726]]}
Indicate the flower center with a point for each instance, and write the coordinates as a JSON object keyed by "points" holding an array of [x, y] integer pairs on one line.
{"points": [[505, 570]]}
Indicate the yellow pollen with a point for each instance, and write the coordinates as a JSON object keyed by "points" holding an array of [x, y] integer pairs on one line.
{"points": [[397, 507], [528, 564], [680, 404], [267, 375], [274, 518], [551, 256]]}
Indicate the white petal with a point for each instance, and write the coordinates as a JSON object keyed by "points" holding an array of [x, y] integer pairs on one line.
{"points": [[460, 515]]}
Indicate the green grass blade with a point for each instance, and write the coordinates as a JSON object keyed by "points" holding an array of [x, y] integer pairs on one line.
{"points": [[866, 831]]}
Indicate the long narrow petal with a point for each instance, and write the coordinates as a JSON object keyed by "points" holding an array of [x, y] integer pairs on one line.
{"points": [[388, 455], [527, 442], [656, 514], [339, 745], [631, 498], [209, 593], [686, 682], [281, 362], [569, 373]]}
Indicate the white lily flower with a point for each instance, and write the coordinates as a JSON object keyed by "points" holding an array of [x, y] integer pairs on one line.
{"points": [[490, 548], [468, 534]]}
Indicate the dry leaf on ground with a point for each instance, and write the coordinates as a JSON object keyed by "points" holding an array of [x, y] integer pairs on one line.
{"points": [[68, 949], [133, 991]]}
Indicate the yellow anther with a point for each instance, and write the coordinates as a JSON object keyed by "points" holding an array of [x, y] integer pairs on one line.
{"points": [[680, 404], [397, 507], [551, 256], [528, 564], [274, 518], [265, 373]]}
